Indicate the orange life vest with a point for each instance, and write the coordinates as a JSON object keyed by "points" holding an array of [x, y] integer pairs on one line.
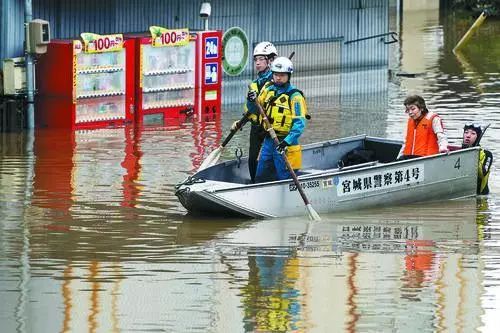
{"points": [[420, 137]]}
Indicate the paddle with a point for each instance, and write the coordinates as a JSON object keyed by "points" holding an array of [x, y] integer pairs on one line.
{"points": [[482, 134], [313, 215], [214, 156]]}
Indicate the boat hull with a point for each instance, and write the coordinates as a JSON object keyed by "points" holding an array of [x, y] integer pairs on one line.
{"points": [[438, 177]]}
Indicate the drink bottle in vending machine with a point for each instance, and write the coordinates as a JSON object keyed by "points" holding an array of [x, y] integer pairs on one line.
{"points": [[86, 83]]}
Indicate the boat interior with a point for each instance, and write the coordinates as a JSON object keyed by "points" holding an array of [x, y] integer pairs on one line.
{"points": [[339, 154]]}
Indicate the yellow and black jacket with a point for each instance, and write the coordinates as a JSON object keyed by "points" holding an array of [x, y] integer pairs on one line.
{"points": [[485, 161], [286, 109], [264, 80]]}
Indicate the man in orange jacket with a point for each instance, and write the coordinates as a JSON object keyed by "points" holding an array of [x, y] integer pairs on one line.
{"points": [[424, 131]]}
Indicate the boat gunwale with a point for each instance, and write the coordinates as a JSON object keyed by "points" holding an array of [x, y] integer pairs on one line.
{"points": [[335, 171]]}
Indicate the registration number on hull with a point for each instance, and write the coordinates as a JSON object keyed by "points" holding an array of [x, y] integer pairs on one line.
{"points": [[308, 184]]}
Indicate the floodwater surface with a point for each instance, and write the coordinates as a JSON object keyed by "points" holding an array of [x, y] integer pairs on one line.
{"points": [[92, 238]]}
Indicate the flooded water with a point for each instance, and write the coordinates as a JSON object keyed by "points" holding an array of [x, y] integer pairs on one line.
{"points": [[92, 238]]}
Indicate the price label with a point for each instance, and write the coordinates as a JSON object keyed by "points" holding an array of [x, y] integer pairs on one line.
{"points": [[94, 43], [166, 37], [77, 48]]}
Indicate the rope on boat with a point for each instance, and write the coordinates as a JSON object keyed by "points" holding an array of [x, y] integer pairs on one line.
{"points": [[190, 181], [182, 193]]}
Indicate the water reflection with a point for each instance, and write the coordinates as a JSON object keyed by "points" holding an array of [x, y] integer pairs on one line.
{"points": [[357, 273], [378, 267], [112, 173]]}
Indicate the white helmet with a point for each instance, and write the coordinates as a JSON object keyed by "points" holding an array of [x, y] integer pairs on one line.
{"points": [[265, 48], [282, 65]]}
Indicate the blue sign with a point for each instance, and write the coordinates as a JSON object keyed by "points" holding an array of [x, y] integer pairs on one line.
{"points": [[211, 73], [211, 47]]}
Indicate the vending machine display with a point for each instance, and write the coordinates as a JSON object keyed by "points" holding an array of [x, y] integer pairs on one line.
{"points": [[169, 74], [86, 83], [165, 74]]}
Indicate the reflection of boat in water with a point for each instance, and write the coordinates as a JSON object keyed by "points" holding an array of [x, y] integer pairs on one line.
{"points": [[224, 189], [368, 272], [377, 230]]}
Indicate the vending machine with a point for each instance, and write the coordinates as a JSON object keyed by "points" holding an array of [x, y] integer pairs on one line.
{"points": [[178, 73], [209, 73], [87, 83]]}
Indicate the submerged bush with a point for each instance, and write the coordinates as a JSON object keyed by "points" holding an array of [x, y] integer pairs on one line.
{"points": [[491, 7]]}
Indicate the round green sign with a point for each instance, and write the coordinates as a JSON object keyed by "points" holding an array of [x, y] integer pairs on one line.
{"points": [[235, 51]]}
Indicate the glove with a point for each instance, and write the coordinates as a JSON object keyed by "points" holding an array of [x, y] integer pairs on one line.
{"points": [[252, 96], [236, 125], [281, 148]]}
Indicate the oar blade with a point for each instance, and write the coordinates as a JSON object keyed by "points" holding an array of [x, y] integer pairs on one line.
{"points": [[313, 215], [211, 159]]}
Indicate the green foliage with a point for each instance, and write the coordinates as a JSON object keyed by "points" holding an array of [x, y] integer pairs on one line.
{"points": [[491, 7], [483, 50]]}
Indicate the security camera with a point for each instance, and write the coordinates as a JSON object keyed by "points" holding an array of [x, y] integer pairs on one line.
{"points": [[205, 10]]}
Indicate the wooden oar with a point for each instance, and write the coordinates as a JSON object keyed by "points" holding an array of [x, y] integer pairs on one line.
{"points": [[214, 156], [313, 215]]}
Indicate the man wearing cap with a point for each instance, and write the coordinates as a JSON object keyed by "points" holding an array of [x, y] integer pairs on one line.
{"points": [[472, 135]]}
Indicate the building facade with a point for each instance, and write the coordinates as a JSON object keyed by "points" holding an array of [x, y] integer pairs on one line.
{"points": [[278, 21]]}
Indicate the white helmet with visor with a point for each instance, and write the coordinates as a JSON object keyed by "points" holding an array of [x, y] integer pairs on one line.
{"points": [[282, 65]]}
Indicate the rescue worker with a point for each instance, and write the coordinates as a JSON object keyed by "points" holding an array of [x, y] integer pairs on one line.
{"points": [[286, 110], [472, 135], [424, 131], [263, 55]]}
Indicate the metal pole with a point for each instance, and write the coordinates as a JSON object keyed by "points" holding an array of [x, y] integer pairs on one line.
{"points": [[30, 81], [206, 24], [470, 32], [399, 12]]}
